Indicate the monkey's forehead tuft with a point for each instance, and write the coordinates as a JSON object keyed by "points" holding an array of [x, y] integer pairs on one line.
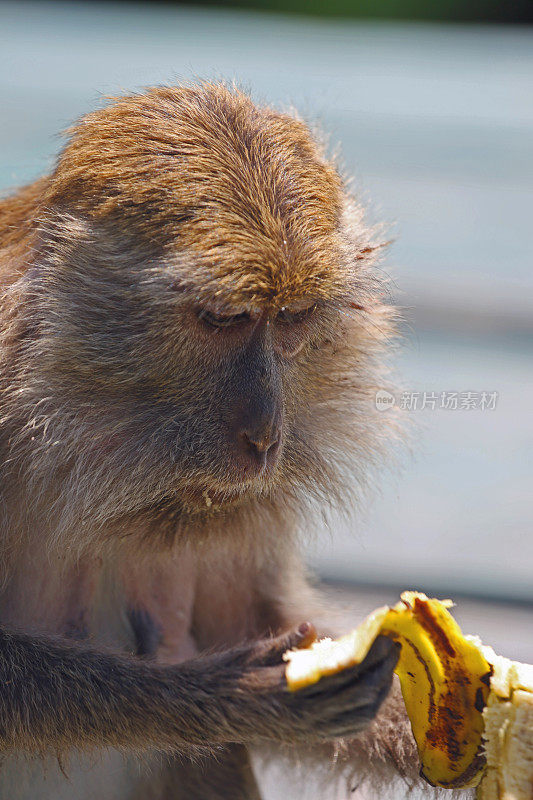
{"points": [[293, 281], [245, 191]]}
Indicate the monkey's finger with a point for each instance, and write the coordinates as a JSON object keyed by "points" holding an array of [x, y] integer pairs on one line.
{"points": [[347, 712], [376, 670], [382, 648], [383, 653], [350, 722], [271, 651]]}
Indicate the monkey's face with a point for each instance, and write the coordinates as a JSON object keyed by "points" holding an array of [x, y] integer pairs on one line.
{"points": [[177, 395], [211, 397], [233, 396]]}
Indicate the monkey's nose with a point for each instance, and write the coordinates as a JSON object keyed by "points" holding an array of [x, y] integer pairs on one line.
{"points": [[261, 445]]}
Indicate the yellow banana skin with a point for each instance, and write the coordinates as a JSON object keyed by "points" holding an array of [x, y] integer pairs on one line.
{"points": [[445, 682]]}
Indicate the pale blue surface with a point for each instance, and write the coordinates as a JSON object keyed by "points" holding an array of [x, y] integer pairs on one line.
{"points": [[436, 123]]}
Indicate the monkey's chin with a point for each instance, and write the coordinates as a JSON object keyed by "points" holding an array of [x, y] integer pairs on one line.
{"points": [[213, 496]]}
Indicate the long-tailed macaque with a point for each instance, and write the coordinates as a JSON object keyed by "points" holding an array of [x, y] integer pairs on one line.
{"points": [[191, 334]]}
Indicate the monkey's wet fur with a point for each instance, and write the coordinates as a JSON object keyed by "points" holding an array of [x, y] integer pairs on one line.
{"points": [[192, 330]]}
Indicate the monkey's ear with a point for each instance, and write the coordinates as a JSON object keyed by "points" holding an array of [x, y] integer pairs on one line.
{"points": [[369, 250]]}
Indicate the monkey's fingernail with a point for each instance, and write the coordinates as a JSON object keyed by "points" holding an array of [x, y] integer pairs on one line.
{"points": [[306, 634], [304, 628]]}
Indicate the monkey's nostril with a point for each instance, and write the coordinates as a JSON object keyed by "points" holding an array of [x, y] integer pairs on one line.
{"points": [[261, 448]]}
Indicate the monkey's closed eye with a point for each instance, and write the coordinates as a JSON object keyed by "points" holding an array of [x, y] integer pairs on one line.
{"points": [[221, 320], [294, 317]]}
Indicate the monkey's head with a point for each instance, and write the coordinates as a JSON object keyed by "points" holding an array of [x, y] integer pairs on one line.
{"points": [[205, 322]]}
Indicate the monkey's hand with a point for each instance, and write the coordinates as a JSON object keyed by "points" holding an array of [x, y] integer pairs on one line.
{"points": [[337, 706]]}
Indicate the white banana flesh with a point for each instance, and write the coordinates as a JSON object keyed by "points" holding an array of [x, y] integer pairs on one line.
{"points": [[508, 734]]}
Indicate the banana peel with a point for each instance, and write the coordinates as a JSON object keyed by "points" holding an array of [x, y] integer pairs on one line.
{"points": [[471, 711], [445, 682]]}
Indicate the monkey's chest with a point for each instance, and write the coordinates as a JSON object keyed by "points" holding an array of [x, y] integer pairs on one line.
{"points": [[144, 615], [143, 608]]}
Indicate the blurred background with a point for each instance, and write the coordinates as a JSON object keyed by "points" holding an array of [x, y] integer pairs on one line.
{"points": [[431, 106]]}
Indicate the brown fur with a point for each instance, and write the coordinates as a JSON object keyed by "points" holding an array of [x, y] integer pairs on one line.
{"points": [[128, 514]]}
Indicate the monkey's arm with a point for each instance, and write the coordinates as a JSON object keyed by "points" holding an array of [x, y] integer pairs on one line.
{"points": [[55, 695]]}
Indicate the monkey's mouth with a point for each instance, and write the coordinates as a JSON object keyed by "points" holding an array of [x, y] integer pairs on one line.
{"points": [[219, 493]]}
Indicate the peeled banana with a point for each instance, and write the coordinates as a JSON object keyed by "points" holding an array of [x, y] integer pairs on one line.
{"points": [[471, 711], [508, 734]]}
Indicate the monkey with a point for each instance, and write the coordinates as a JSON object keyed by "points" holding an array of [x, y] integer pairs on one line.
{"points": [[192, 330]]}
